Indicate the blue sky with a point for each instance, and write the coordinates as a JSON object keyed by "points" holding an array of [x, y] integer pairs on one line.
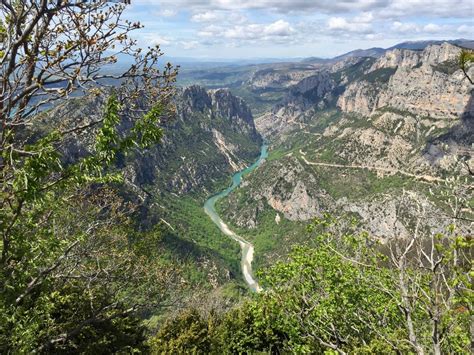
{"points": [[218, 29]]}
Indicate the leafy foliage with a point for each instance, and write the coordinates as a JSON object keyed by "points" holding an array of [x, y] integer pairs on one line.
{"points": [[465, 60], [69, 268], [188, 333], [73, 274]]}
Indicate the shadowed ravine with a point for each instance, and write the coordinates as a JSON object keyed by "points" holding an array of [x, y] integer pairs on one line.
{"points": [[246, 247]]}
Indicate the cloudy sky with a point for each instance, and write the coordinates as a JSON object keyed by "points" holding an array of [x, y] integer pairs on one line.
{"points": [[295, 28]]}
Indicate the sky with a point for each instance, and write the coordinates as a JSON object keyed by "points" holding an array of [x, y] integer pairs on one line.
{"points": [[225, 29]]}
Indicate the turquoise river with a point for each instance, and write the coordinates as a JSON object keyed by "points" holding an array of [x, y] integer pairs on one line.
{"points": [[246, 247]]}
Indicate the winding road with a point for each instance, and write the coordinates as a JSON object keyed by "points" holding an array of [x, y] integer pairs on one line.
{"points": [[425, 178], [245, 246]]}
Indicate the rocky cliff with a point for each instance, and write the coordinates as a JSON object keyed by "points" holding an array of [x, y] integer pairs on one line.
{"points": [[372, 138], [424, 83], [392, 110], [313, 92], [212, 136]]}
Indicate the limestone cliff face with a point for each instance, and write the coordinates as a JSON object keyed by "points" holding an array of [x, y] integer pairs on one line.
{"points": [[427, 92], [195, 98], [284, 185], [397, 58], [345, 62], [418, 119], [425, 83], [310, 93], [296, 198], [226, 105], [217, 105], [311, 89], [359, 97], [212, 137], [431, 55]]}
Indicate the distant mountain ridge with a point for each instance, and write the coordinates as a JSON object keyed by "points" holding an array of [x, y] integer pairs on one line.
{"points": [[377, 52], [420, 45], [374, 52]]}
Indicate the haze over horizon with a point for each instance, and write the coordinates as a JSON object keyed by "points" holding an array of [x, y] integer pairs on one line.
{"points": [[224, 29]]}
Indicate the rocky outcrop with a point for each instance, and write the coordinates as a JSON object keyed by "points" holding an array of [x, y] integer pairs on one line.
{"points": [[230, 151], [290, 189], [284, 185], [226, 105], [344, 63], [427, 92], [359, 97], [425, 83], [397, 58], [390, 216], [195, 98], [405, 58], [294, 197], [311, 93], [311, 89]]}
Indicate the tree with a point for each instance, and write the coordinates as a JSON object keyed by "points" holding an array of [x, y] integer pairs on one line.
{"points": [[466, 58], [188, 333], [71, 263]]}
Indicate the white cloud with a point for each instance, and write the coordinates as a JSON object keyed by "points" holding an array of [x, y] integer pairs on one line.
{"points": [[365, 17], [437, 8], [354, 25], [168, 13], [405, 27], [384, 8], [281, 6], [374, 36], [205, 34], [243, 32], [210, 31], [155, 39], [252, 31], [427, 30], [278, 28], [233, 17], [207, 16], [236, 17], [337, 23], [432, 28], [466, 29], [213, 25], [358, 24]]}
